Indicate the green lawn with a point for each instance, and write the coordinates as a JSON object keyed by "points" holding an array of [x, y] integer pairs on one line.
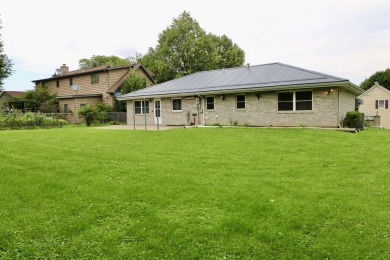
{"points": [[221, 193]]}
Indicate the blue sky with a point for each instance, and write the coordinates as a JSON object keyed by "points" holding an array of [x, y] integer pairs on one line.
{"points": [[345, 38]]}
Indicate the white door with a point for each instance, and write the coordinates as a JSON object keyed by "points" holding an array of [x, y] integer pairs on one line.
{"points": [[157, 112]]}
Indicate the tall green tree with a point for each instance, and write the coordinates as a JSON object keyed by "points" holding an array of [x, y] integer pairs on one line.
{"points": [[382, 77], [184, 48], [41, 99], [5, 64], [99, 60]]}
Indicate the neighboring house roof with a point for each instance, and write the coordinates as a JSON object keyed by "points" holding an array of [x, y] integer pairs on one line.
{"points": [[13, 94], [249, 78], [373, 87], [95, 70]]}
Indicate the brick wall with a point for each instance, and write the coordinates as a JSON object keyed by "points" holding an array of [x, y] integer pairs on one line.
{"points": [[262, 111]]}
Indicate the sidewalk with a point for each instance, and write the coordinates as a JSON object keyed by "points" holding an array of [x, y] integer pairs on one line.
{"points": [[138, 127]]}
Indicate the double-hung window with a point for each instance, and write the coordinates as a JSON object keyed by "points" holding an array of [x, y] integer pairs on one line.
{"points": [[382, 104], [176, 104], [95, 78], [210, 103], [295, 101], [141, 107], [240, 101]]}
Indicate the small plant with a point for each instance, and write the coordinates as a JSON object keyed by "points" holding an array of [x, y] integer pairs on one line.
{"points": [[302, 125], [90, 114], [352, 119]]}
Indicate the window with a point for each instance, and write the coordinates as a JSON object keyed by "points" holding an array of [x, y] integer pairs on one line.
{"points": [[295, 101], [58, 83], [210, 103], [141, 107], [70, 81], [94, 78], [382, 104], [176, 104], [240, 101], [66, 108], [303, 100]]}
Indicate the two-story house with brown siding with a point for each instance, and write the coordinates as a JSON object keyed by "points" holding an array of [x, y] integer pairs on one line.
{"points": [[95, 85]]}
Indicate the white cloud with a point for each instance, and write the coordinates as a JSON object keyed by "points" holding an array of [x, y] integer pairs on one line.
{"points": [[347, 38]]}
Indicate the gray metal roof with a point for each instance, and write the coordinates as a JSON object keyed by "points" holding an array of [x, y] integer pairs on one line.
{"points": [[249, 78]]}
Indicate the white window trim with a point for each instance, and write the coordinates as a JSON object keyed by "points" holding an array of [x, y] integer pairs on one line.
{"points": [[213, 103], [244, 102], [383, 104], [294, 101], [181, 104]]}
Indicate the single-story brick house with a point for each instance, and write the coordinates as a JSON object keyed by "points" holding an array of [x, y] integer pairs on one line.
{"points": [[376, 105], [273, 94]]}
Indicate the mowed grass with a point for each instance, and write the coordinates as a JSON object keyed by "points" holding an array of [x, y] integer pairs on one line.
{"points": [[87, 193]]}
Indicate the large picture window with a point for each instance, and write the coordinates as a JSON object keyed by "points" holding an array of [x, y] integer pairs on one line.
{"points": [[176, 104], [210, 103], [295, 101], [240, 101], [141, 107]]}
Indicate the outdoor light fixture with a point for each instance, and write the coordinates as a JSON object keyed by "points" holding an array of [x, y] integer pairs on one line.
{"points": [[223, 97], [258, 95]]}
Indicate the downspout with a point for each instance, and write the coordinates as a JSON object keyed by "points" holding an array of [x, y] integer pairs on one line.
{"points": [[144, 110], [134, 115], [338, 108]]}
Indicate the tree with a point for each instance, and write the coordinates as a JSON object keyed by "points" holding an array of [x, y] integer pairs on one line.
{"points": [[5, 64], [132, 83], [41, 99], [96, 113], [382, 77], [185, 48], [99, 60]]}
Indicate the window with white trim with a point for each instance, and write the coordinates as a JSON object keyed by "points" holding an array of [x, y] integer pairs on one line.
{"points": [[210, 103], [141, 107], [295, 101], [382, 104], [240, 101], [176, 104]]}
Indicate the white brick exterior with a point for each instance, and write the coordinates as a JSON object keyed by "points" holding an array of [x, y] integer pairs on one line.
{"points": [[329, 107]]}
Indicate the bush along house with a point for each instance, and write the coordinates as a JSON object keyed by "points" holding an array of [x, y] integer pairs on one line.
{"points": [[264, 95], [92, 86]]}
